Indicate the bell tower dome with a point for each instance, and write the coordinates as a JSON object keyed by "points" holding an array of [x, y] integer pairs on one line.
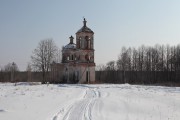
{"points": [[85, 37], [85, 43]]}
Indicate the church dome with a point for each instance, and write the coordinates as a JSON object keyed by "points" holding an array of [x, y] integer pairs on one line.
{"points": [[71, 45], [85, 28]]}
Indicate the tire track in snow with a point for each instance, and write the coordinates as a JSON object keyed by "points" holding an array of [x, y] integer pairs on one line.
{"points": [[62, 114], [82, 109]]}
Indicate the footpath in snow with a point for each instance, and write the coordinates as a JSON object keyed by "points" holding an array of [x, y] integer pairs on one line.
{"points": [[88, 102]]}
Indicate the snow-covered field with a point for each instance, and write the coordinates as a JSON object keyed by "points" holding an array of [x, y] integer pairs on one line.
{"points": [[88, 102]]}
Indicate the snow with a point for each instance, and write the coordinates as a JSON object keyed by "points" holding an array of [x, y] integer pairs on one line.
{"points": [[88, 102]]}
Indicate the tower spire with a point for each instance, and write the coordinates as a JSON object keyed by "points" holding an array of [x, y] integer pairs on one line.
{"points": [[84, 22]]}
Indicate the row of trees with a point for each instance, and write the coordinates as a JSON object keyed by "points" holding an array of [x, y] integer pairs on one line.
{"points": [[138, 65], [155, 59], [8, 72], [145, 58], [10, 67]]}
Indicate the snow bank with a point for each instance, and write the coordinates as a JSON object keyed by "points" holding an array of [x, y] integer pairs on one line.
{"points": [[90, 102]]}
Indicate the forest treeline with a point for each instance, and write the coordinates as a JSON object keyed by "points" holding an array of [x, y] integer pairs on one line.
{"points": [[145, 64]]}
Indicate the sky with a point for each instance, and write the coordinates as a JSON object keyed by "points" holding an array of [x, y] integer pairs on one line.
{"points": [[116, 23]]}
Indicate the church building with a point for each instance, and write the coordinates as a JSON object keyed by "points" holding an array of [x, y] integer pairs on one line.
{"points": [[77, 64]]}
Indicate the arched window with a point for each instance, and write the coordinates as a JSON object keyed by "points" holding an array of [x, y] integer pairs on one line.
{"points": [[80, 43], [87, 42], [87, 57], [75, 57], [72, 57], [63, 58], [67, 57]]}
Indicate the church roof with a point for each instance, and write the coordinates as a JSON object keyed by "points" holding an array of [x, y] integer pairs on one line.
{"points": [[85, 28], [70, 46]]}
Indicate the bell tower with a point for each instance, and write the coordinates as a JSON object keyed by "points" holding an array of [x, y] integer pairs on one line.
{"points": [[85, 43], [85, 52]]}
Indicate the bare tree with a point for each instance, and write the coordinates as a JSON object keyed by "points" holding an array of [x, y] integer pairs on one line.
{"points": [[28, 69], [10, 71], [111, 65], [123, 60], [100, 67], [134, 59], [58, 56], [43, 56], [8, 67]]}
